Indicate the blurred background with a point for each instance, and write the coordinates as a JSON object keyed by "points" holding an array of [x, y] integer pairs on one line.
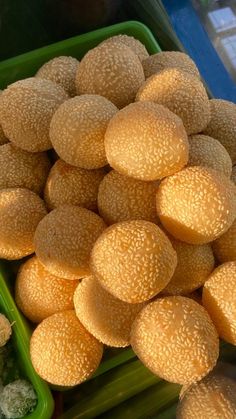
{"points": [[29, 24]]}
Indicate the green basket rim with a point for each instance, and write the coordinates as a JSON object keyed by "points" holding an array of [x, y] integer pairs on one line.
{"points": [[21, 336], [74, 40]]}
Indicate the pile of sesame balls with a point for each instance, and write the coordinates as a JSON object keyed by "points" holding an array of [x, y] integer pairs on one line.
{"points": [[117, 184]]}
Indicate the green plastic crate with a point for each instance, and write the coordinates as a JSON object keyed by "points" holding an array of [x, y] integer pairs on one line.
{"points": [[20, 67], [21, 337], [26, 65]]}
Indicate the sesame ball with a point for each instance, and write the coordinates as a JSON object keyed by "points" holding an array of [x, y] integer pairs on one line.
{"points": [[169, 59], [62, 351], [26, 110], [134, 44], [39, 294], [195, 263], [121, 198], [72, 185], [112, 70], [61, 70], [196, 205], [133, 260], [175, 338], [77, 130], [146, 141], [219, 299], [5, 330], [182, 93], [20, 212], [104, 316], [212, 397], [21, 169], [225, 246], [222, 125], [208, 152], [64, 239]]}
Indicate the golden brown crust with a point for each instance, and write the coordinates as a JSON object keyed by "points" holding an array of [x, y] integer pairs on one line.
{"points": [[62, 351], [182, 94], [134, 44], [104, 316], [39, 294], [26, 110], [175, 338], [112, 70], [211, 398], [20, 212], [64, 239], [196, 205], [77, 130], [61, 70], [169, 59], [146, 141], [219, 299], [121, 198], [72, 185], [133, 260], [225, 246], [21, 169], [208, 152], [195, 263], [222, 125]]}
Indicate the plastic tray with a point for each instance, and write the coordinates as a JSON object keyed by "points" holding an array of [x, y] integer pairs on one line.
{"points": [[26, 65], [23, 66]]}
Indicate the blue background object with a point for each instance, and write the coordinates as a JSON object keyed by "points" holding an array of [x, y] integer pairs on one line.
{"points": [[197, 44]]}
